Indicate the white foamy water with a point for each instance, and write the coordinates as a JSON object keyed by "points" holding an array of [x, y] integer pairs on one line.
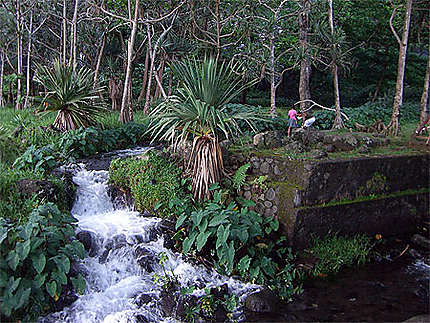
{"points": [[123, 260]]}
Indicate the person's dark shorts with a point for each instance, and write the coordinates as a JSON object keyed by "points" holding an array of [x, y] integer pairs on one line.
{"points": [[292, 123]]}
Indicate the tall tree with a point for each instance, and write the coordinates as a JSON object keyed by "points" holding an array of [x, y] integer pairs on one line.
{"points": [[394, 125], [305, 63], [334, 70]]}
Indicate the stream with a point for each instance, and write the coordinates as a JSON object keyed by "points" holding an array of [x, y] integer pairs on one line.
{"points": [[124, 258]]}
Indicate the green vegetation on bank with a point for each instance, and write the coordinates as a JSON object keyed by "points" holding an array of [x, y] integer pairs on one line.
{"points": [[35, 264], [152, 181]]}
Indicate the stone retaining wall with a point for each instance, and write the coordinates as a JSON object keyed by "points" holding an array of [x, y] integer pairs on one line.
{"points": [[294, 190]]}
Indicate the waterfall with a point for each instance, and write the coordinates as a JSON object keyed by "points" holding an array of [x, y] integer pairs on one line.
{"points": [[123, 260]]}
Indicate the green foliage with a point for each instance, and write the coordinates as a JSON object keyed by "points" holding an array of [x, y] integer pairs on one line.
{"points": [[79, 143], [35, 261], [240, 241], [239, 177], [335, 252], [69, 92], [153, 182], [366, 115]]}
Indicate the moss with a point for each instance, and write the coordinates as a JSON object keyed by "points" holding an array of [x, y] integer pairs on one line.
{"points": [[371, 197]]}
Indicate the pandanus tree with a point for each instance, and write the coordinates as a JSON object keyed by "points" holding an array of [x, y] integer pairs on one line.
{"points": [[71, 94], [199, 112]]}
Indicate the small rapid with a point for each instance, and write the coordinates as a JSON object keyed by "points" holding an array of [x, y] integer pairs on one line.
{"points": [[124, 258]]}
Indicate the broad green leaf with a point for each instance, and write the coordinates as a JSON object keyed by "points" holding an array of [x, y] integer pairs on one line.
{"points": [[12, 259], [13, 284], [23, 249], [180, 220], [203, 225], [79, 284], [230, 257], [244, 263], [3, 278], [39, 262], [188, 242], [202, 238], [218, 219], [22, 296], [3, 233], [51, 288], [220, 236], [39, 280]]}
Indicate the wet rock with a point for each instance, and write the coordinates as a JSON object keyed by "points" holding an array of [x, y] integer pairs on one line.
{"points": [[270, 194], [48, 191], [414, 253], [143, 299], [168, 300], [264, 301], [146, 258], [419, 318], [87, 238], [141, 319], [346, 142], [421, 241]]}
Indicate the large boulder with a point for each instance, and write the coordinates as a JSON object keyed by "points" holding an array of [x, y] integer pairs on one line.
{"points": [[345, 142], [264, 301], [268, 139]]}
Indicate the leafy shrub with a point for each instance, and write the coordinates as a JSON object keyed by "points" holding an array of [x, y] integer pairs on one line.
{"points": [[335, 252], [366, 115], [35, 260], [152, 182], [239, 242], [79, 143]]}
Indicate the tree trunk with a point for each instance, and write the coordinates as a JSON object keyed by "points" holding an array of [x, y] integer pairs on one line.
{"points": [[28, 73], [2, 103], [394, 125], [73, 35], [425, 95], [305, 64], [126, 114], [338, 124], [19, 29], [272, 77], [145, 78], [159, 79], [99, 60], [64, 40], [151, 68]]}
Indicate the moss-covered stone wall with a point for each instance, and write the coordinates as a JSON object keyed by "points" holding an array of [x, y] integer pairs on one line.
{"points": [[296, 190]]}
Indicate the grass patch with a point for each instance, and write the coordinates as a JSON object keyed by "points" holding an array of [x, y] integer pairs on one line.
{"points": [[336, 252]]}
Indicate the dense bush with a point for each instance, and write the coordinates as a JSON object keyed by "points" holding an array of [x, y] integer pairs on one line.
{"points": [[79, 144], [239, 241], [152, 181], [15, 207], [36, 258], [366, 115]]}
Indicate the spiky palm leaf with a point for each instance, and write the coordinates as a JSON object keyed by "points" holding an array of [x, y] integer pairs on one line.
{"points": [[199, 113], [70, 93]]}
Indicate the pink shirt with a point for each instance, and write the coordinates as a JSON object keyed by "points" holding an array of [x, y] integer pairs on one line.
{"points": [[292, 114]]}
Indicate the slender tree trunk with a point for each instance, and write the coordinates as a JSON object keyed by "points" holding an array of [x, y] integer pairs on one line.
{"points": [[99, 60], [305, 64], [145, 78], [2, 103], [334, 69], [394, 125], [151, 68], [159, 79], [73, 36], [19, 29], [218, 30], [28, 70], [425, 96], [272, 77], [126, 114], [64, 40]]}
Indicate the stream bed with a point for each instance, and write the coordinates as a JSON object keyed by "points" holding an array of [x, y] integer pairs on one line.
{"points": [[124, 257]]}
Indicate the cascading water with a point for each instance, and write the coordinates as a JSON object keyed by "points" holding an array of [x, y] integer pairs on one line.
{"points": [[123, 259]]}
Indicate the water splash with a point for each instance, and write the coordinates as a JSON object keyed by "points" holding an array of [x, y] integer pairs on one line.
{"points": [[124, 258]]}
